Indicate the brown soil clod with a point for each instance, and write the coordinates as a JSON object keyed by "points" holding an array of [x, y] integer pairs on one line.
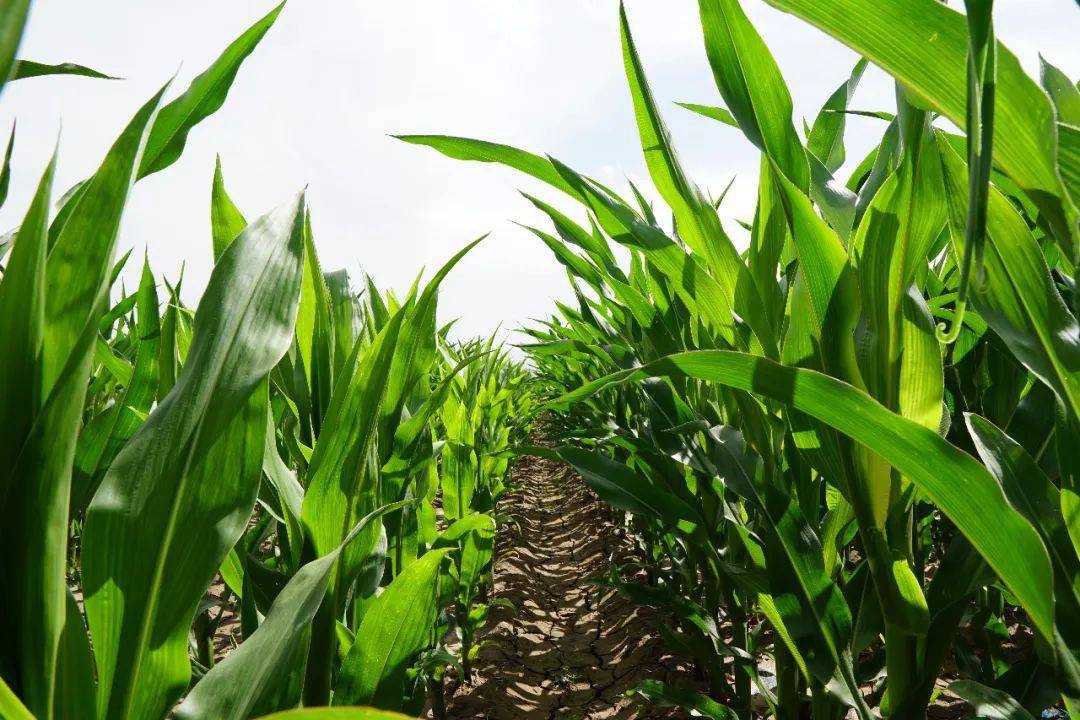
{"points": [[571, 649]]}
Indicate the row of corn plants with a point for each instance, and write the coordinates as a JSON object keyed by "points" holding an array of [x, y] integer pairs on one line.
{"points": [[326, 459], [848, 447]]}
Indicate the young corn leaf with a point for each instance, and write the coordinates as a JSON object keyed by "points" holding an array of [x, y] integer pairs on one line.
{"points": [[226, 220], [29, 69], [342, 485], [990, 702], [719, 114], [97, 451], [696, 219], [5, 179], [81, 257], [12, 22], [395, 628], [337, 713], [241, 683], [203, 98], [10, 705], [896, 35], [337, 483], [178, 496], [1063, 92], [752, 87], [953, 480], [1035, 497], [461, 148], [1018, 298], [664, 695], [826, 139]]}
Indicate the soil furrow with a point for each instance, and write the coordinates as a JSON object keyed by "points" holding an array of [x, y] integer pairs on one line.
{"points": [[570, 649]]}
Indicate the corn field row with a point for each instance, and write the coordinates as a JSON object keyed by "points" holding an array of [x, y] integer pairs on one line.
{"points": [[848, 454]]}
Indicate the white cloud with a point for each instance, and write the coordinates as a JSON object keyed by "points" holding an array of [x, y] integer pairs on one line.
{"points": [[317, 101]]}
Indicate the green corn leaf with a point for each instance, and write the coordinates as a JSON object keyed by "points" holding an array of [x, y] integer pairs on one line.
{"points": [[203, 98], [338, 486], [593, 244], [460, 148], [719, 114], [226, 220], [1063, 92], [75, 685], [36, 530], [826, 140], [337, 713], [135, 402], [81, 257], [289, 491], [34, 465], [891, 244], [1018, 298], [817, 619], [415, 353], [476, 555], [1035, 497], [752, 87], [990, 702], [168, 353], [898, 36], [314, 333], [621, 487], [825, 146], [573, 262], [29, 69], [664, 695], [116, 366], [696, 219], [12, 22], [242, 682], [462, 528], [179, 494], [398, 625], [949, 478], [10, 705], [695, 286], [347, 315], [5, 178], [699, 226], [22, 320], [982, 80]]}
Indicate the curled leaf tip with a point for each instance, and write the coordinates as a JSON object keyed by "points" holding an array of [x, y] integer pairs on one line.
{"points": [[943, 333]]}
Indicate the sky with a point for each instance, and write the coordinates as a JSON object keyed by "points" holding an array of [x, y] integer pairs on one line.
{"points": [[317, 103]]}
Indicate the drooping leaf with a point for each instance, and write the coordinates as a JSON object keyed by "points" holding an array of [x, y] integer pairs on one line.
{"points": [[29, 69], [954, 481]]}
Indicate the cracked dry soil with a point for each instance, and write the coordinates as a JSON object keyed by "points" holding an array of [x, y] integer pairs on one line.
{"points": [[571, 649]]}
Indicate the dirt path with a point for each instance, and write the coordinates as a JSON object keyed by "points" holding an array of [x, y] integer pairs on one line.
{"points": [[571, 650]]}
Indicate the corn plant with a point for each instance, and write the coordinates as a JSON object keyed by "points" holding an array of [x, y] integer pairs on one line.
{"points": [[279, 442], [848, 446]]}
